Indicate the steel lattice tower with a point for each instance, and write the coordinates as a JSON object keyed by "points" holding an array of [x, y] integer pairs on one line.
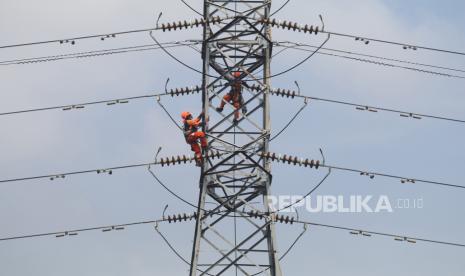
{"points": [[227, 239]]}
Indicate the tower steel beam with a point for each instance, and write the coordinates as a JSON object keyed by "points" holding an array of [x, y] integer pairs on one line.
{"points": [[227, 241]]}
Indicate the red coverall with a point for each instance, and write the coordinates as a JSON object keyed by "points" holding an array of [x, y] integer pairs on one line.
{"points": [[234, 97], [193, 135]]}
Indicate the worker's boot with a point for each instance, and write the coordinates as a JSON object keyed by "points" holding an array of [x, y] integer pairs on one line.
{"points": [[235, 121], [219, 109]]}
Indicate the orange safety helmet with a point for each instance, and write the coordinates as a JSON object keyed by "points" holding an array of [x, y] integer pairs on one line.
{"points": [[185, 115], [237, 74]]}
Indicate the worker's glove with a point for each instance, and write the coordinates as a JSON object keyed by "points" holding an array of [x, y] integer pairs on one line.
{"points": [[244, 109]]}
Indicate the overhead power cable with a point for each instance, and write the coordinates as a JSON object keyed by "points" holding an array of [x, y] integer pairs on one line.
{"points": [[366, 233], [292, 45], [74, 232], [284, 24], [196, 89], [98, 53], [110, 102], [379, 63], [361, 107], [164, 27], [173, 160], [289, 25], [296, 161], [385, 64]]}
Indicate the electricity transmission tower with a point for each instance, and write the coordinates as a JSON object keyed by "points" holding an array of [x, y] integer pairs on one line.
{"points": [[234, 226], [239, 182]]}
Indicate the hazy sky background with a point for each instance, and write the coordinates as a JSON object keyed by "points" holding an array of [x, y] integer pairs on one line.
{"points": [[100, 136]]}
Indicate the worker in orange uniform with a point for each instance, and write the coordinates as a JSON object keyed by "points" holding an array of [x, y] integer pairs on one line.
{"points": [[234, 97], [193, 135]]}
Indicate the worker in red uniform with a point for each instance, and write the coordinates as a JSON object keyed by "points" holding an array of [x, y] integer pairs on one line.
{"points": [[193, 135], [234, 97]]}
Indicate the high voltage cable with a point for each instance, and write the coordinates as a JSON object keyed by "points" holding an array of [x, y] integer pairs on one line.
{"points": [[82, 105], [294, 44], [404, 45], [280, 92], [366, 233], [190, 43], [289, 25], [113, 34], [362, 107], [67, 40], [97, 53], [74, 232], [392, 65], [173, 160], [117, 227], [294, 160], [168, 27], [109, 170], [386, 64], [109, 102], [401, 178]]}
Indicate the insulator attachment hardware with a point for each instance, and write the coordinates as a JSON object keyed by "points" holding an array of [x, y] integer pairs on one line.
{"points": [[283, 93], [113, 228], [255, 214], [367, 174], [64, 234], [405, 239], [194, 23], [410, 115], [290, 25], [181, 217], [360, 232], [118, 102], [185, 90], [110, 172], [57, 176], [406, 180], [173, 160], [256, 87], [366, 108], [73, 107], [68, 41], [294, 160], [284, 219], [366, 41], [406, 47]]}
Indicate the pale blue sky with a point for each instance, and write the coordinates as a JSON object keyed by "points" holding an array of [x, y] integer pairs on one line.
{"points": [[56, 141]]}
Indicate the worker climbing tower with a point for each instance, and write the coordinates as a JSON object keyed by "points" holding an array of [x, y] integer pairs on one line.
{"points": [[234, 231]]}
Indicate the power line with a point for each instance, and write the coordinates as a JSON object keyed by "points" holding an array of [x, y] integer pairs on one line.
{"points": [[366, 233], [196, 89], [164, 27], [404, 45], [401, 178], [98, 53], [109, 170], [294, 44], [110, 102], [74, 232], [387, 64], [362, 107], [73, 39], [289, 25], [82, 105], [294, 160]]}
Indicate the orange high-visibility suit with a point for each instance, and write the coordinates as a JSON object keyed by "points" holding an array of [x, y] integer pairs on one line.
{"points": [[193, 135], [234, 97]]}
